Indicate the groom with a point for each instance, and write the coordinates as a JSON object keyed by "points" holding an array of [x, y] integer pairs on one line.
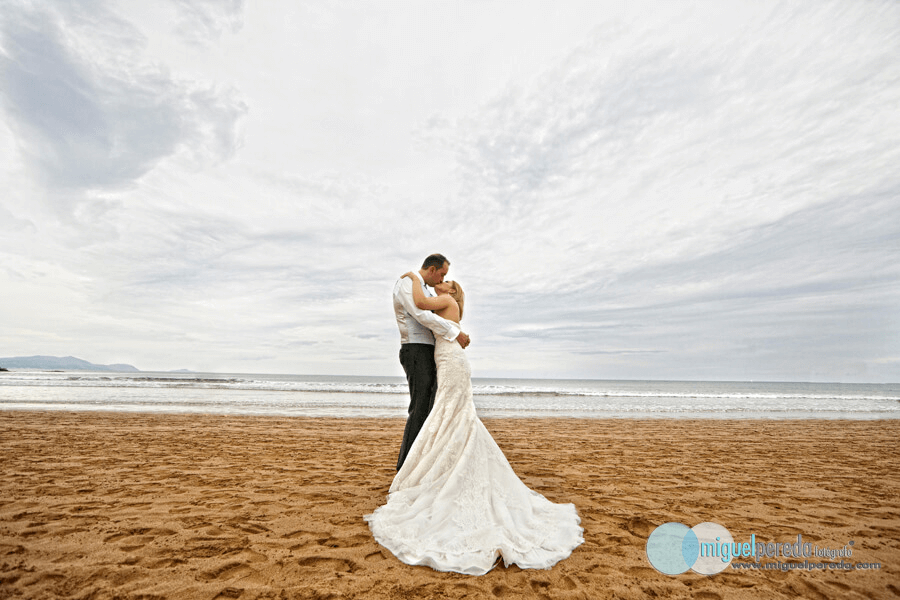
{"points": [[417, 345]]}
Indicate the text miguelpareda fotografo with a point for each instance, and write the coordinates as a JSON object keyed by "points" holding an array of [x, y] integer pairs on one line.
{"points": [[709, 548]]}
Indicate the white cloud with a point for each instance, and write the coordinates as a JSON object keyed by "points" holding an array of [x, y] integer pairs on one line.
{"points": [[89, 113], [204, 21], [671, 193]]}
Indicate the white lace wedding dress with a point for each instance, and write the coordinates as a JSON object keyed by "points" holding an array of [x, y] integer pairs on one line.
{"points": [[456, 504]]}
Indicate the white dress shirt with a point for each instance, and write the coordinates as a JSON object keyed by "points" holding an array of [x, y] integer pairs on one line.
{"points": [[416, 325]]}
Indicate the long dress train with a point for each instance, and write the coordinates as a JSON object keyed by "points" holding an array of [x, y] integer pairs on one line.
{"points": [[456, 504]]}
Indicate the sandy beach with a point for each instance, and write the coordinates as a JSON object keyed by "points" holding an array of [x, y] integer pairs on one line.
{"points": [[113, 505]]}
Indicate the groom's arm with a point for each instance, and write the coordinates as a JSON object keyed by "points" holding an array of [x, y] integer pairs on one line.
{"points": [[440, 326]]}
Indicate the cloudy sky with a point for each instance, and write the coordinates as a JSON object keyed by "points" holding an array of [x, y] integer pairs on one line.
{"points": [[640, 190]]}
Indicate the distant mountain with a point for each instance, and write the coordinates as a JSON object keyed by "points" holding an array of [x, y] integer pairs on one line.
{"points": [[68, 363]]}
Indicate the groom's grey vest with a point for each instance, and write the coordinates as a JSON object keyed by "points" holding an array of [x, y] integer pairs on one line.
{"points": [[411, 331]]}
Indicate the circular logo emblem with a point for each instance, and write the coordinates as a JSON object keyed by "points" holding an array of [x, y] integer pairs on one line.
{"points": [[674, 548]]}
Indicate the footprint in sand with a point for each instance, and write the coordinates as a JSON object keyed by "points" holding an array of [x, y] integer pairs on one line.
{"points": [[118, 536], [30, 532], [641, 572], [20, 516], [812, 591], [194, 522], [210, 547], [7, 549], [305, 538], [639, 527], [230, 570], [135, 539], [334, 565], [252, 528], [166, 563], [346, 542], [842, 586], [704, 595], [346, 520]]}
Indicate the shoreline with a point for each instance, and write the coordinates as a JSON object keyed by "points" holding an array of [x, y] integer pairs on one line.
{"points": [[361, 397], [485, 414], [121, 504]]}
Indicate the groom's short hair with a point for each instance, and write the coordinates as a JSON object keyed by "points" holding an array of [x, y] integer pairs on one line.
{"points": [[435, 260]]}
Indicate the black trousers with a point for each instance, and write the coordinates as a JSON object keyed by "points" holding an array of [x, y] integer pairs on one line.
{"points": [[421, 374]]}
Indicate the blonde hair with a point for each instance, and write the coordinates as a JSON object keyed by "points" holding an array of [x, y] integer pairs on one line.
{"points": [[457, 293]]}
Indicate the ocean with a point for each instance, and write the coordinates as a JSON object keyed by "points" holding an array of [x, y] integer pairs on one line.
{"points": [[351, 396]]}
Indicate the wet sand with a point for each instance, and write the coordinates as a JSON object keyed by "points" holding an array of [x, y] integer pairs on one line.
{"points": [[111, 505]]}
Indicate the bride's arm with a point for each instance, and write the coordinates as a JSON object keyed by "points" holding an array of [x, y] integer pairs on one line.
{"points": [[426, 302]]}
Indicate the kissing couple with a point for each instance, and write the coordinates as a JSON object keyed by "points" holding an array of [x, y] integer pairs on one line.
{"points": [[455, 503]]}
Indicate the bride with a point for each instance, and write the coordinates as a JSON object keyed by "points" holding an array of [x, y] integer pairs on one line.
{"points": [[456, 504]]}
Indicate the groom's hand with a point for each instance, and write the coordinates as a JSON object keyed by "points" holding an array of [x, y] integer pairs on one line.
{"points": [[463, 339]]}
